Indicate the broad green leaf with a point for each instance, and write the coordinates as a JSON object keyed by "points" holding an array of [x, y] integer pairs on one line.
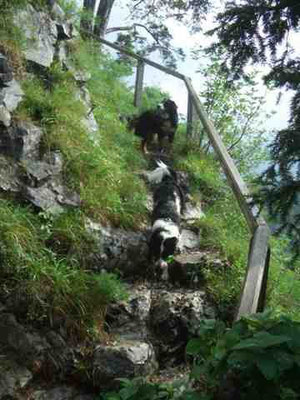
{"points": [[194, 346], [265, 339], [242, 356], [284, 360], [261, 340], [231, 338], [246, 344], [268, 367], [197, 371], [163, 395], [297, 359]]}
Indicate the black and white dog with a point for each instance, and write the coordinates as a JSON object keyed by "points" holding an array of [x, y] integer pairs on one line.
{"points": [[162, 121], [168, 204]]}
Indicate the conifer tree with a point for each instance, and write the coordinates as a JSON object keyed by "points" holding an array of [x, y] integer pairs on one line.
{"points": [[258, 31]]}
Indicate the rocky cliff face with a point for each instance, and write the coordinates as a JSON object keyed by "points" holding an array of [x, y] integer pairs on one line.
{"points": [[145, 333]]}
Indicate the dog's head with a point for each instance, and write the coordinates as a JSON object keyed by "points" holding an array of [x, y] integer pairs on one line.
{"points": [[170, 108], [170, 105], [160, 173]]}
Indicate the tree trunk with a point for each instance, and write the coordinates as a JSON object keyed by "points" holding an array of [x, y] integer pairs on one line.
{"points": [[103, 15], [86, 22]]}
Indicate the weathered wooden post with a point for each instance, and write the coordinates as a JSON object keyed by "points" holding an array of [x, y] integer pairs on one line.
{"points": [[190, 117], [139, 84], [253, 295]]}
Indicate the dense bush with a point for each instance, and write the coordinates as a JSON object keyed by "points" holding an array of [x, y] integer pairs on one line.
{"points": [[257, 358]]}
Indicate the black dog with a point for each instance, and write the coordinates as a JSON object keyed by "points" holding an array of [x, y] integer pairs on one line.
{"points": [[168, 205], [163, 121]]}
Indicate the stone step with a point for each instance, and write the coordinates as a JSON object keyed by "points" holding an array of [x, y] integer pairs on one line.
{"points": [[187, 269]]}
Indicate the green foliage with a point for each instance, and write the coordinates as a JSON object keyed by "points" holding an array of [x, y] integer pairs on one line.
{"points": [[203, 172], [68, 237], [11, 38], [151, 97], [70, 8], [51, 285], [99, 166], [140, 389], [255, 33], [239, 32], [223, 229], [284, 280], [235, 109], [257, 357]]}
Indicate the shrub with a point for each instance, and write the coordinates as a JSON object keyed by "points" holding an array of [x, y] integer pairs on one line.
{"points": [[141, 389], [257, 358]]}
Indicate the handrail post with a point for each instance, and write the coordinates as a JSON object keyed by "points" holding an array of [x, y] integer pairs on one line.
{"points": [[139, 84], [190, 117], [254, 288]]}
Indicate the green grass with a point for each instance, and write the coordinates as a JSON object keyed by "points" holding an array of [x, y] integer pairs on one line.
{"points": [[284, 280], [44, 258], [223, 230], [53, 286], [102, 171]]}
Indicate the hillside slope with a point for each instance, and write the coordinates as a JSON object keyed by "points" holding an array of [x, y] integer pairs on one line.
{"points": [[78, 305]]}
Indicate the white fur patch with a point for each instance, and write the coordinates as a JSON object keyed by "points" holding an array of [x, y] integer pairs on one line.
{"points": [[156, 176], [169, 227], [178, 203]]}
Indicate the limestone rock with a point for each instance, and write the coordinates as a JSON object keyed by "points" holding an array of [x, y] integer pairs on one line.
{"points": [[40, 33], [10, 92], [13, 377], [174, 316], [5, 70], [187, 269], [5, 117], [129, 318], [29, 347], [189, 240], [9, 175], [117, 248], [192, 213], [11, 95], [62, 52], [21, 141], [80, 76], [122, 360], [38, 171], [58, 13], [50, 197], [89, 121], [60, 393]]}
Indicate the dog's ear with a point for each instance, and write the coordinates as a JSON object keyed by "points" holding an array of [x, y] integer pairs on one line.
{"points": [[173, 174]]}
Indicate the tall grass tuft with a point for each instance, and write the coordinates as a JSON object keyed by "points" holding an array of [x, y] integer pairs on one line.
{"points": [[223, 230], [52, 286], [101, 167]]}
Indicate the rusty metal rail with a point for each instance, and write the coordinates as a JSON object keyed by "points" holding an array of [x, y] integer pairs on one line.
{"points": [[254, 288]]}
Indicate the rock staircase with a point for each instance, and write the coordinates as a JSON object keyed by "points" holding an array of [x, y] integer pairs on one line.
{"points": [[149, 332]]}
